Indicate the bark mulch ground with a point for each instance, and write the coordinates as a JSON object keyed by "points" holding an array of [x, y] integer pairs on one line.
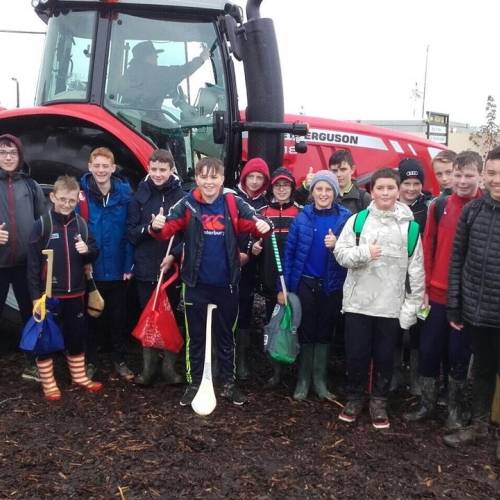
{"points": [[130, 442]]}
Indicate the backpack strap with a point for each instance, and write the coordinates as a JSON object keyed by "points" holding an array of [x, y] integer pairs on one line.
{"points": [[233, 211], [359, 222], [413, 234], [439, 207], [34, 195], [83, 205], [83, 228], [47, 228]]}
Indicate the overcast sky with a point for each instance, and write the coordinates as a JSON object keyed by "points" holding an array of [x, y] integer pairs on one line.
{"points": [[356, 59]]}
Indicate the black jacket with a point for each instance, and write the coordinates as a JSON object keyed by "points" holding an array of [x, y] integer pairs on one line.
{"points": [[185, 216], [68, 277], [474, 278], [148, 200]]}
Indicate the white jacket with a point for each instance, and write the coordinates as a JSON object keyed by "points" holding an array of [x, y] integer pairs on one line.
{"points": [[377, 287]]}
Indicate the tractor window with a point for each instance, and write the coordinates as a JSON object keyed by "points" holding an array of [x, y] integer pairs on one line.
{"points": [[65, 70], [165, 79]]}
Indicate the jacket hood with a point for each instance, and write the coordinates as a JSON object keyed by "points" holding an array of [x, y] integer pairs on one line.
{"points": [[19, 146], [401, 212], [196, 196], [255, 165], [120, 188]]}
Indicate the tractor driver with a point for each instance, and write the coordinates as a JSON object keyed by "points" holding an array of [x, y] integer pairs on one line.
{"points": [[145, 84]]}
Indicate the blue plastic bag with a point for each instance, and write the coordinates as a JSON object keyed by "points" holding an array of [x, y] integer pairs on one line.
{"points": [[42, 337]]}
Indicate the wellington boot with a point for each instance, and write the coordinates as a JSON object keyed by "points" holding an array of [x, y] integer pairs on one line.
{"points": [[275, 378], [76, 365], [415, 389], [306, 360], [242, 345], [475, 432], [455, 419], [428, 401], [149, 366], [49, 386], [320, 372], [497, 454], [168, 369]]}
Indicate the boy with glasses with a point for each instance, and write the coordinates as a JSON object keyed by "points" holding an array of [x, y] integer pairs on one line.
{"points": [[21, 203]]}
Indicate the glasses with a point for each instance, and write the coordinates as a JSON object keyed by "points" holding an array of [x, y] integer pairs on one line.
{"points": [[66, 201], [4, 153], [285, 185]]}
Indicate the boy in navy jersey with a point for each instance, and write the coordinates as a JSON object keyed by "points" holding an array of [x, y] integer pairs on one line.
{"points": [[211, 221]]}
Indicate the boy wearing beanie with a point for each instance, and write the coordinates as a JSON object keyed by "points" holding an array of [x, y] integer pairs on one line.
{"points": [[254, 182], [312, 272], [382, 292], [411, 173]]}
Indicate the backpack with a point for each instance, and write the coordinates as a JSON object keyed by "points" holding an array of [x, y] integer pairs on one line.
{"points": [[48, 226], [32, 186], [439, 207], [413, 230]]}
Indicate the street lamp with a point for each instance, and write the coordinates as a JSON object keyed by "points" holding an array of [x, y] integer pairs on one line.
{"points": [[14, 79]]}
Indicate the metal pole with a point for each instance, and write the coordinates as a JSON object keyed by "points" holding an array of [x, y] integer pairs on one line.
{"points": [[14, 79], [425, 80]]}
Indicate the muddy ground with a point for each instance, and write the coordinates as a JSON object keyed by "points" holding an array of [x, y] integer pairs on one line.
{"points": [[129, 442]]}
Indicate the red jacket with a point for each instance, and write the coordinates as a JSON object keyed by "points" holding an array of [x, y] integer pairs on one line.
{"points": [[438, 246]]}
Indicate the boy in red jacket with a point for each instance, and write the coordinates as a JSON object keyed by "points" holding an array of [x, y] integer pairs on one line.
{"points": [[437, 336], [211, 221]]}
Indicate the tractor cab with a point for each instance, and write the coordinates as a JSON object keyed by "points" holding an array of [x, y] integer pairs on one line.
{"points": [[160, 68]]}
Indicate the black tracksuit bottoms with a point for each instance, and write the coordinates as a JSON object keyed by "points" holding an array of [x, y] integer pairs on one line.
{"points": [[369, 338], [113, 321], [70, 316], [439, 341], [486, 349], [196, 300]]}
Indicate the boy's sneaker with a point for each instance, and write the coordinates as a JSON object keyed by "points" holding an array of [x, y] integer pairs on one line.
{"points": [[123, 370], [189, 394], [230, 391], [351, 411], [378, 413], [91, 370], [31, 373]]}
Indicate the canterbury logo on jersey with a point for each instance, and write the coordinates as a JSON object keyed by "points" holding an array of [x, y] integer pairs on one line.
{"points": [[213, 222]]}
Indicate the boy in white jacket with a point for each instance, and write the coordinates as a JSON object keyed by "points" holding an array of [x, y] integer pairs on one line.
{"points": [[383, 291]]}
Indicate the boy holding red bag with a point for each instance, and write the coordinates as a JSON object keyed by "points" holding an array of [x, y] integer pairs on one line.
{"points": [[211, 221]]}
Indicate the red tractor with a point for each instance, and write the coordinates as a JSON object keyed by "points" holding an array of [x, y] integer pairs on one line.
{"points": [[135, 75]]}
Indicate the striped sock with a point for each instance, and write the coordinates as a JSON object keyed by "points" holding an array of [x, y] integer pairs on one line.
{"points": [[49, 386], [79, 376]]}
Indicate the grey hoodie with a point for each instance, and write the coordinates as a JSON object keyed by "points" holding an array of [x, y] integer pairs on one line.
{"points": [[21, 202]]}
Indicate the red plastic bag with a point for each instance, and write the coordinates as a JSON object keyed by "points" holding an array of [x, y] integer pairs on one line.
{"points": [[157, 326]]}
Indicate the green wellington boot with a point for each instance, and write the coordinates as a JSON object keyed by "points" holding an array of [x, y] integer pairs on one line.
{"points": [[428, 401], [275, 378], [455, 419], [168, 369], [306, 360], [149, 366], [320, 372]]}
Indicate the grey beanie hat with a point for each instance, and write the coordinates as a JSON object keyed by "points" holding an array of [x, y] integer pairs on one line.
{"points": [[326, 176]]}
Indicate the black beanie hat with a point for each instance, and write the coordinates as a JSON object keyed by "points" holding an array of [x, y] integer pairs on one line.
{"points": [[410, 168]]}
